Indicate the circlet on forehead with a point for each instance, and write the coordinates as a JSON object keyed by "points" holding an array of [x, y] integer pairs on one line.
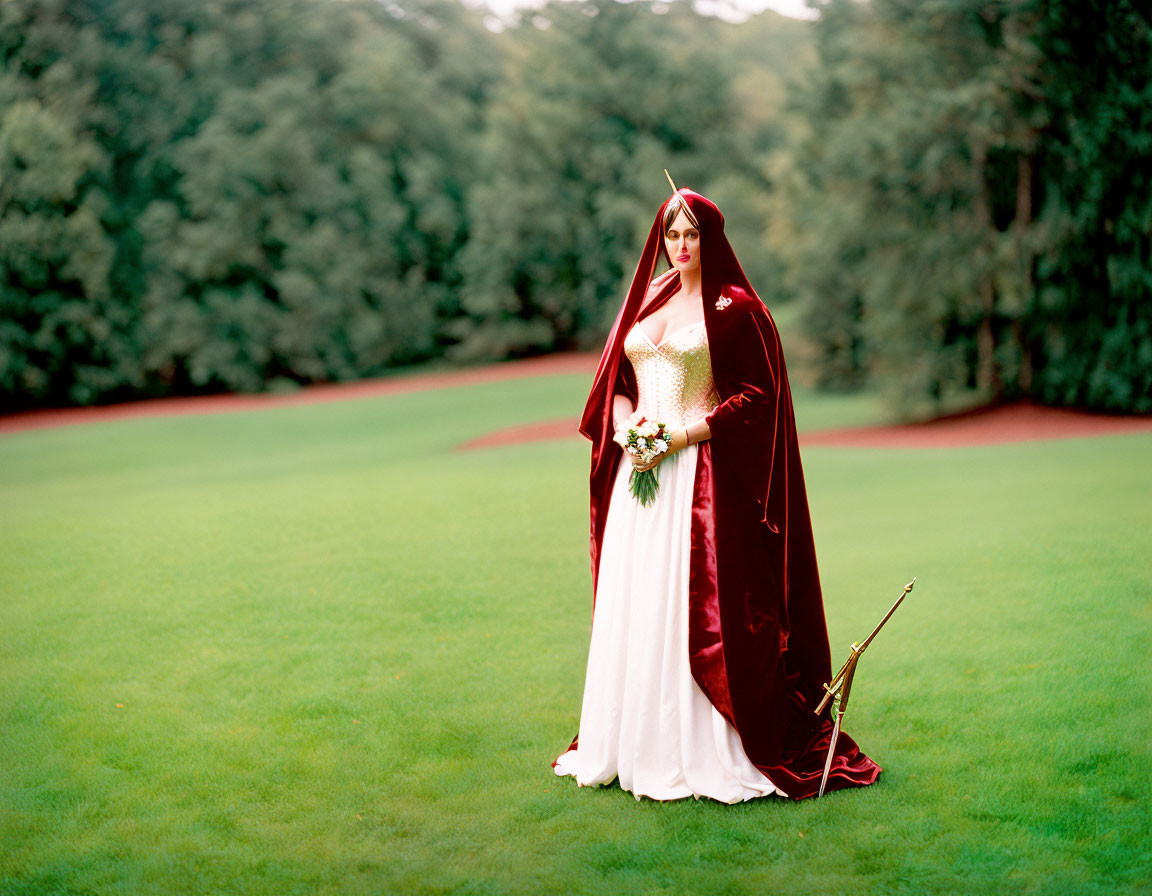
{"points": [[683, 201]]}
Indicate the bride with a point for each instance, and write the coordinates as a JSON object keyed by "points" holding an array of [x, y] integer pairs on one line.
{"points": [[709, 647]]}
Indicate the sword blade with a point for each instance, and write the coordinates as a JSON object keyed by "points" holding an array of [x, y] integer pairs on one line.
{"points": [[831, 752]]}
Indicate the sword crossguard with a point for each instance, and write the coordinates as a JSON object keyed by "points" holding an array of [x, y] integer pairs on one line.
{"points": [[831, 692]]}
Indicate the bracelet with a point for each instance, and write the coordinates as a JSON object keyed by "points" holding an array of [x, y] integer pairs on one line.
{"points": [[687, 437]]}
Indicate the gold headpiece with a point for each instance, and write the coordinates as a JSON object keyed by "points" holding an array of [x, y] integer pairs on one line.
{"points": [[683, 201]]}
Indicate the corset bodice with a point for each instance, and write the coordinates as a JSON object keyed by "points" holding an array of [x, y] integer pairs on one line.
{"points": [[674, 378]]}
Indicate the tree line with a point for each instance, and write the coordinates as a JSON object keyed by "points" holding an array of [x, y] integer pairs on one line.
{"points": [[246, 194], [975, 195]]}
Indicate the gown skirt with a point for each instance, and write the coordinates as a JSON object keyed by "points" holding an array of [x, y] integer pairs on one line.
{"points": [[643, 718]]}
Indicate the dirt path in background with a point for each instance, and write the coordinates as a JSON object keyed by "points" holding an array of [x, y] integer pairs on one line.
{"points": [[223, 404], [1018, 422]]}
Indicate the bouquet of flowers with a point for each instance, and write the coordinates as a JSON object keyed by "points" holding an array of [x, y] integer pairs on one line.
{"points": [[646, 440]]}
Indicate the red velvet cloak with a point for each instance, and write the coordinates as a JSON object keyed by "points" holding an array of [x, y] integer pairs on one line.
{"points": [[758, 641]]}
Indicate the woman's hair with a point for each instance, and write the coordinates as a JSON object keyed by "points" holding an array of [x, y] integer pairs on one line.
{"points": [[672, 211]]}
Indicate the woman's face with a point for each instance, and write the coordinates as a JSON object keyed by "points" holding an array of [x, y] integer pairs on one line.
{"points": [[682, 240]]}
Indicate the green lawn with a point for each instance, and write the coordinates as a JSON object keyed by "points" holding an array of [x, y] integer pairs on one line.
{"points": [[313, 650]]}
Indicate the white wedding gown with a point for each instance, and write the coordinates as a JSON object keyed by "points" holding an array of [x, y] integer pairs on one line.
{"points": [[643, 718]]}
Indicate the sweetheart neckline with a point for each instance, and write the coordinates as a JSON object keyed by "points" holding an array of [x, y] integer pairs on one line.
{"points": [[644, 333]]}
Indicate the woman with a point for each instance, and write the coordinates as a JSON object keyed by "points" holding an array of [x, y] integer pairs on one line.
{"points": [[709, 647]]}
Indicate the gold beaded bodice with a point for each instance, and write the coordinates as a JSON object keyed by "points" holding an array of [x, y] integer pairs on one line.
{"points": [[674, 378]]}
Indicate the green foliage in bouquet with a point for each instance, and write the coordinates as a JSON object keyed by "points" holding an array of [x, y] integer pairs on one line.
{"points": [[643, 484]]}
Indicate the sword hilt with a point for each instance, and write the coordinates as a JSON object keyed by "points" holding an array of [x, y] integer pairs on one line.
{"points": [[835, 688]]}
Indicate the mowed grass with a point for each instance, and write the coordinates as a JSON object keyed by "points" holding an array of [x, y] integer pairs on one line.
{"points": [[315, 650]]}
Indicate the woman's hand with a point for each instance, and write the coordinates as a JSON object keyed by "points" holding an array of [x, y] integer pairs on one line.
{"points": [[639, 466], [678, 442]]}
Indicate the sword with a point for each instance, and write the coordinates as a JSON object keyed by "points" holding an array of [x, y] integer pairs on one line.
{"points": [[840, 688]]}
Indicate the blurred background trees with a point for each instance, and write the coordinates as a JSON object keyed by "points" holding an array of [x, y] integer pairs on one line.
{"points": [[247, 194], [974, 188], [597, 100]]}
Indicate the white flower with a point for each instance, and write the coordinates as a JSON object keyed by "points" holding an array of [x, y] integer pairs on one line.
{"points": [[647, 430], [641, 444], [661, 446]]}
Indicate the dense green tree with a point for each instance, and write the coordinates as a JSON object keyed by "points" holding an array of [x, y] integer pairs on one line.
{"points": [[56, 307], [216, 195], [307, 237], [1089, 328], [237, 193], [605, 96], [553, 220], [964, 168]]}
